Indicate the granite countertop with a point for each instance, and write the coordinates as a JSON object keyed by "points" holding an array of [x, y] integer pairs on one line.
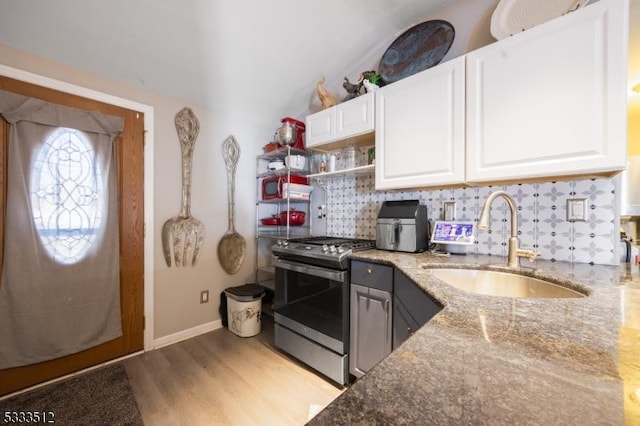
{"points": [[504, 361]]}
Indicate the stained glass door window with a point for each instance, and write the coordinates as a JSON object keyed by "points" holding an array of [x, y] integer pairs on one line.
{"points": [[67, 195]]}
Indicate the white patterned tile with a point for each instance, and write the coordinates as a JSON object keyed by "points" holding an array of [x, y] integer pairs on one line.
{"points": [[422, 197], [415, 195], [552, 219], [353, 206], [596, 224], [526, 203], [595, 250], [490, 242], [554, 248], [544, 187], [596, 191], [465, 204], [554, 193]]}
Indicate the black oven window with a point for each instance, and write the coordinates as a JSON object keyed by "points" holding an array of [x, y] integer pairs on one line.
{"points": [[300, 285]]}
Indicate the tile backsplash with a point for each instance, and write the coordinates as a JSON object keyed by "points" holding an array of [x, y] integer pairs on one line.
{"points": [[353, 205]]}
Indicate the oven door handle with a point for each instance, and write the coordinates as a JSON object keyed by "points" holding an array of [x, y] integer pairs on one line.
{"points": [[315, 271]]}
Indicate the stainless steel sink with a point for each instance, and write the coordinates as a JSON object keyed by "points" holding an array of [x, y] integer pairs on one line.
{"points": [[505, 284]]}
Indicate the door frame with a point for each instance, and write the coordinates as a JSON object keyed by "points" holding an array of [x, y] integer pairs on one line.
{"points": [[147, 110]]}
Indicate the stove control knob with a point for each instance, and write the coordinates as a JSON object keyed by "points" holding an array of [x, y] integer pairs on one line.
{"points": [[279, 243], [285, 243], [325, 248], [332, 248], [340, 249]]}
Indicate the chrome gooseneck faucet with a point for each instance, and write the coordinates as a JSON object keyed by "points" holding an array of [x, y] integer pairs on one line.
{"points": [[515, 253]]}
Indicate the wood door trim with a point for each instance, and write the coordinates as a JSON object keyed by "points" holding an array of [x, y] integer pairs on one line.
{"points": [[130, 162], [4, 151], [148, 110]]}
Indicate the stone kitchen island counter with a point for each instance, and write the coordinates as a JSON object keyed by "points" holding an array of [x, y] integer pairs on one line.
{"points": [[503, 361]]}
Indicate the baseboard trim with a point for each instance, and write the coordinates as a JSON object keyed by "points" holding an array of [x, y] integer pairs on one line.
{"points": [[186, 334]]}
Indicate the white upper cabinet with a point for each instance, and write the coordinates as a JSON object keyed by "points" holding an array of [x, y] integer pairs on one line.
{"points": [[420, 123], [320, 127], [337, 126], [550, 101]]}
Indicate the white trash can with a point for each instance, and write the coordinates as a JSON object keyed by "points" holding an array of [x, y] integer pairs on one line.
{"points": [[244, 309]]}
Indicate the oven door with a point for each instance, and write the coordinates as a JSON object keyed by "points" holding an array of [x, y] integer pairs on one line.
{"points": [[313, 302]]}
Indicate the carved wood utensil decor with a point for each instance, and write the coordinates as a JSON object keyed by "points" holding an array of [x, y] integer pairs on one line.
{"points": [[184, 234], [232, 247]]}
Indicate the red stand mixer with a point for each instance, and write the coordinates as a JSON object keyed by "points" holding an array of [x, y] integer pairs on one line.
{"points": [[291, 133]]}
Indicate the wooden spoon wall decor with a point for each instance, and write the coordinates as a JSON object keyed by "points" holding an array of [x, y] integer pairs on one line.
{"points": [[232, 247]]}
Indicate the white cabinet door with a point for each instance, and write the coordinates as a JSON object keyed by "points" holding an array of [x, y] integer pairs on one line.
{"points": [[355, 117], [320, 127], [336, 126], [550, 101], [420, 129]]}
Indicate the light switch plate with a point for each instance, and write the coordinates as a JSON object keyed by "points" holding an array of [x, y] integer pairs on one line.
{"points": [[577, 209], [449, 210]]}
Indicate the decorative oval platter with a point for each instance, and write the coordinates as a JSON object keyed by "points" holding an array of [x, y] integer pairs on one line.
{"points": [[415, 50]]}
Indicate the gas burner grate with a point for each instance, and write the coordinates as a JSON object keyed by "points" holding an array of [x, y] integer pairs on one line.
{"points": [[353, 243]]}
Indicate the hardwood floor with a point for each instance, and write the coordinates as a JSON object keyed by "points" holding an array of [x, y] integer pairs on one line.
{"points": [[219, 378]]}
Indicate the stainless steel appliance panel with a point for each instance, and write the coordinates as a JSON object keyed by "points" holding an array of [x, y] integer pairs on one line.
{"points": [[331, 364], [312, 301], [310, 333]]}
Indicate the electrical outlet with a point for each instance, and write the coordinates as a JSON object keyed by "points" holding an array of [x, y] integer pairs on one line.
{"points": [[322, 212], [577, 209], [204, 296], [449, 210]]}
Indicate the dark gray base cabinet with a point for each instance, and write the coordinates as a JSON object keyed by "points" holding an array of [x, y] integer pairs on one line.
{"points": [[371, 315], [412, 308], [403, 323], [386, 307]]}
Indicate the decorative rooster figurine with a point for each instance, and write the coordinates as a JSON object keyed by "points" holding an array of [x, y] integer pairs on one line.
{"points": [[327, 99]]}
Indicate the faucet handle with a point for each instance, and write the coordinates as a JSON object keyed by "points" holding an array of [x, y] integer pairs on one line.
{"points": [[529, 254]]}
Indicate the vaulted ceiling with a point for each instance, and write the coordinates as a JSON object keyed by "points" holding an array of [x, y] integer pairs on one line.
{"points": [[242, 55], [246, 56]]}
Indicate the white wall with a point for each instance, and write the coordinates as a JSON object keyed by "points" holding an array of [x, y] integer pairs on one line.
{"points": [[177, 290], [469, 18]]}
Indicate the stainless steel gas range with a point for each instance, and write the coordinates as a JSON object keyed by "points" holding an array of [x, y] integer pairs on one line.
{"points": [[311, 307]]}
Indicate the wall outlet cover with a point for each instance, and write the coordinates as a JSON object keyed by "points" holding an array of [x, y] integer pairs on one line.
{"points": [[577, 209], [449, 210]]}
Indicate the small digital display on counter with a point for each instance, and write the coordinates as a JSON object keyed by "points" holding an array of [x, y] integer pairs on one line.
{"points": [[453, 232]]}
